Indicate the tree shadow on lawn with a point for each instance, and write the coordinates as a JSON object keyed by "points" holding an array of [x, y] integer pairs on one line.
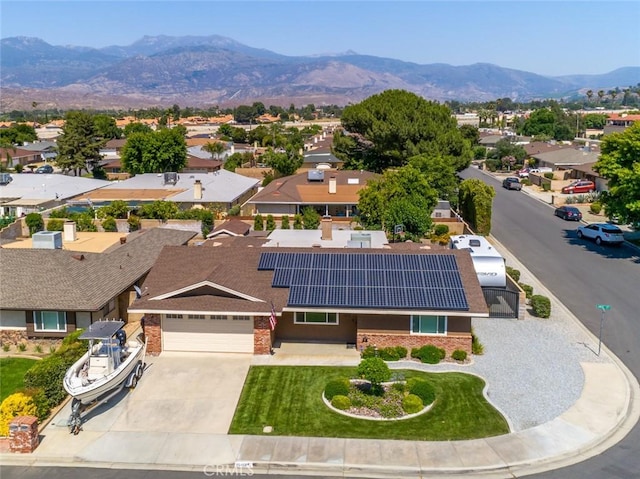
{"points": [[289, 399]]}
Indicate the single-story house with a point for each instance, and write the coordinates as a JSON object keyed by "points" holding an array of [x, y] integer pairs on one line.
{"points": [[27, 193], [47, 149], [48, 293], [229, 228], [219, 188], [331, 193], [10, 157], [565, 159], [618, 122], [241, 298]]}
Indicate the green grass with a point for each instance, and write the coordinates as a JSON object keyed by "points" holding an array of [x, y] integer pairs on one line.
{"points": [[12, 375], [289, 398]]}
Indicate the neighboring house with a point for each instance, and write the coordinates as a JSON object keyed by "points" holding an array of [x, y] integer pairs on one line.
{"points": [[586, 172], [221, 299], [467, 119], [47, 149], [565, 159], [442, 210], [328, 236], [10, 157], [617, 123], [112, 149], [538, 147], [321, 156], [221, 189], [52, 292], [331, 193], [230, 228], [27, 193]]}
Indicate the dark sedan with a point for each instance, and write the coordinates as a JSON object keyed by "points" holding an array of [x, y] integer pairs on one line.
{"points": [[568, 213]]}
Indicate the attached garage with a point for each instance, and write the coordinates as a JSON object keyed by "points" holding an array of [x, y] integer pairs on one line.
{"points": [[222, 334]]}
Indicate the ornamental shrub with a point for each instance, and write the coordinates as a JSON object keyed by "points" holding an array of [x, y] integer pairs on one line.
{"points": [[341, 402], [459, 355], [412, 404], [514, 273], [271, 223], [400, 387], [234, 210], [374, 370], [368, 352], [55, 224], [390, 409], [595, 207], [546, 186], [41, 402], [284, 222], [134, 223], [297, 222], [17, 404], [109, 224], [527, 288], [258, 223], [541, 306], [34, 222], [424, 391], [441, 230], [548, 176], [337, 387], [476, 346], [429, 354], [391, 353]]}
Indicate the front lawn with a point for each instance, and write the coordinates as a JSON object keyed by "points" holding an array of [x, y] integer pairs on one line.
{"points": [[12, 375], [289, 398]]}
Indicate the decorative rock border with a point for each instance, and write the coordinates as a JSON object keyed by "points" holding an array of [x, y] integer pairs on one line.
{"points": [[367, 418]]}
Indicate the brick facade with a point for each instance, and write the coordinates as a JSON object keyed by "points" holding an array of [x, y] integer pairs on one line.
{"points": [[153, 332], [23, 434], [261, 335], [409, 341]]}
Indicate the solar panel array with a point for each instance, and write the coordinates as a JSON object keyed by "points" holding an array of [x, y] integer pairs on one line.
{"points": [[372, 280]]}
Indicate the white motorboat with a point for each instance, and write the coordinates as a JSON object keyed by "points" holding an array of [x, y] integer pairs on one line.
{"points": [[111, 363]]}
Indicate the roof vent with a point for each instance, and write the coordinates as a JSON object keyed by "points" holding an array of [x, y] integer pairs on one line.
{"points": [[79, 257], [315, 175], [170, 178], [474, 242]]}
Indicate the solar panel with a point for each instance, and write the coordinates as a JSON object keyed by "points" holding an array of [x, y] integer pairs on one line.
{"points": [[267, 261]]}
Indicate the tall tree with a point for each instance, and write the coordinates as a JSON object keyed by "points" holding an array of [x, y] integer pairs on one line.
{"points": [[285, 164], [600, 96], [389, 128], [619, 163], [589, 95], [79, 145], [215, 148], [476, 198], [154, 152], [400, 197], [136, 127], [106, 127]]}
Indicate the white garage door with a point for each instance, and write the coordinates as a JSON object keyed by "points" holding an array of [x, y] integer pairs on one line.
{"points": [[207, 335]]}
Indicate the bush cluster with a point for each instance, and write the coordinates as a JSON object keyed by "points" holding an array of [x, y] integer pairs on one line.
{"points": [[541, 306], [429, 354], [595, 208], [513, 273], [18, 404], [412, 404], [459, 355], [548, 176], [476, 346], [391, 353], [546, 186], [528, 289], [337, 387], [341, 402], [423, 390], [374, 370], [440, 230], [109, 224], [55, 224]]}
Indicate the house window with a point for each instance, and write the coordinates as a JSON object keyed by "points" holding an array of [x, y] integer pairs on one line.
{"points": [[219, 317], [423, 324], [196, 316], [50, 320], [313, 317], [173, 316], [241, 318]]}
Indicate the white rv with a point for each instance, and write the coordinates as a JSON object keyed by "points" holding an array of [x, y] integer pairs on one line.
{"points": [[489, 264]]}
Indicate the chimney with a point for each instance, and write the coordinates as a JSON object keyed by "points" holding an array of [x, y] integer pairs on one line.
{"points": [[197, 190], [327, 227], [332, 185], [69, 231]]}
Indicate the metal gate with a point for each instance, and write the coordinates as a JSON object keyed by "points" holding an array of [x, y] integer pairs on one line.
{"points": [[502, 303]]}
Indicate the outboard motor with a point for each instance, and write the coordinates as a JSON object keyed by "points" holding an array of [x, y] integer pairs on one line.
{"points": [[121, 335]]}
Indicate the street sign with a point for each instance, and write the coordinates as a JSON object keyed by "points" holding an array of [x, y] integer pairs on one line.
{"points": [[603, 307]]}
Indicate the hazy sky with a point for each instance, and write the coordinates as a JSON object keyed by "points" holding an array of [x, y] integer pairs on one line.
{"points": [[546, 37]]}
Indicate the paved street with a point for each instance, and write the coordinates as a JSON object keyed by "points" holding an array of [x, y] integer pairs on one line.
{"points": [[581, 275]]}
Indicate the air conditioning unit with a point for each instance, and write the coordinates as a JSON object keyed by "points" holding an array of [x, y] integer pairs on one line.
{"points": [[170, 178], [47, 240], [315, 175]]}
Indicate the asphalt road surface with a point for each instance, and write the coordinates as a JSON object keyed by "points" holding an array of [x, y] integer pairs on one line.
{"points": [[581, 275]]}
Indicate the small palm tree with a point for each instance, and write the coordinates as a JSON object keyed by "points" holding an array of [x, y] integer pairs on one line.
{"points": [[613, 94], [600, 95], [215, 148], [589, 95]]}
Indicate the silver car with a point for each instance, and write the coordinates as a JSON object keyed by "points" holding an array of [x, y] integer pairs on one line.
{"points": [[601, 233]]}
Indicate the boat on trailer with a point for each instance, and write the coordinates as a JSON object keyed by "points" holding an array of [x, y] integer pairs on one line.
{"points": [[110, 364]]}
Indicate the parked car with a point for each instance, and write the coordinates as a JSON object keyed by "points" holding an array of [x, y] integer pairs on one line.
{"points": [[580, 186], [512, 183], [46, 169], [568, 213], [523, 173], [601, 233]]}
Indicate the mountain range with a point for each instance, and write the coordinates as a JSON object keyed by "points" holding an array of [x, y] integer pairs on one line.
{"points": [[215, 70]]}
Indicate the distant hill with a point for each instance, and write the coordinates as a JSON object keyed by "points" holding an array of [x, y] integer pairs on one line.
{"points": [[215, 70]]}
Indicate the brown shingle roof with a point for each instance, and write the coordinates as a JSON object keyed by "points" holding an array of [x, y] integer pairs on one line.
{"points": [[56, 280], [234, 227], [235, 268], [298, 189]]}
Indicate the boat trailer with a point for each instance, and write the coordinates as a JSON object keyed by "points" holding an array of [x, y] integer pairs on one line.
{"points": [[74, 423]]}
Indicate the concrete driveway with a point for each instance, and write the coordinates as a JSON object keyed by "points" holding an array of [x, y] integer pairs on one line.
{"points": [[179, 392]]}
